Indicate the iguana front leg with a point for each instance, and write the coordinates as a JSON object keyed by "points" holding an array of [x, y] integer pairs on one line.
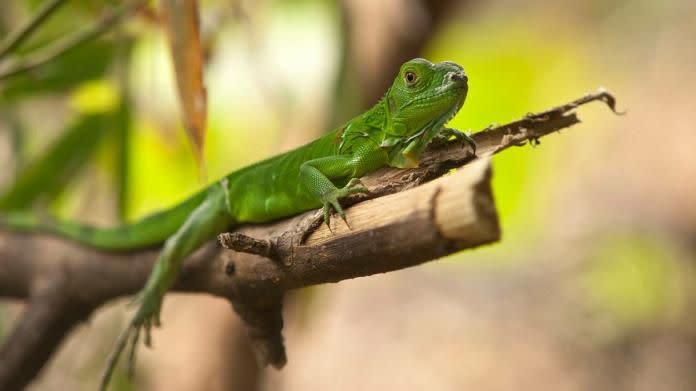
{"points": [[447, 133], [317, 174]]}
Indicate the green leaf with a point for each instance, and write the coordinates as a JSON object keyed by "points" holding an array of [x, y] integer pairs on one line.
{"points": [[48, 175], [121, 133], [17, 132], [88, 62]]}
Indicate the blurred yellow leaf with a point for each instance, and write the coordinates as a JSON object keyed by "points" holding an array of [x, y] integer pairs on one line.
{"points": [[182, 26], [95, 96]]}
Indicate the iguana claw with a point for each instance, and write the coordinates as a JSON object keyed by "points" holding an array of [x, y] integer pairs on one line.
{"points": [[147, 315], [446, 133], [330, 200]]}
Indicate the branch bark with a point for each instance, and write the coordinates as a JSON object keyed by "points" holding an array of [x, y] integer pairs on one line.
{"points": [[401, 225]]}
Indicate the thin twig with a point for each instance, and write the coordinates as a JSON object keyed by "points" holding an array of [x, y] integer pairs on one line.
{"points": [[68, 43], [19, 36], [243, 243]]}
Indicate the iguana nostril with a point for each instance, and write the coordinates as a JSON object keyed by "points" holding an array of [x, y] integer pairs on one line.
{"points": [[457, 76]]}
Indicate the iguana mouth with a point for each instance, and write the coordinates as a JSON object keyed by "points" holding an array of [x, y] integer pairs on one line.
{"points": [[454, 81]]}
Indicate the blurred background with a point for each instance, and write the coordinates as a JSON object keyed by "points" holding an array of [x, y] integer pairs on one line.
{"points": [[591, 287]]}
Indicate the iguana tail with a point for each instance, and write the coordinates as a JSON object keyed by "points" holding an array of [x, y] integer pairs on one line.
{"points": [[149, 231]]}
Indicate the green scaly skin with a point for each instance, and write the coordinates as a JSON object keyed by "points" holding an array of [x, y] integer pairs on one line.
{"points": [[395, 132]]}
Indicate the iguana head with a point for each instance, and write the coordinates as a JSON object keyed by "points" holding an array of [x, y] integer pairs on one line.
{"points": [[423, 97]]}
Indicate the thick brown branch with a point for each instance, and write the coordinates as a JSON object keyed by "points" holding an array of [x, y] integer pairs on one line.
{"points": [[49, 317], [401, 226]]}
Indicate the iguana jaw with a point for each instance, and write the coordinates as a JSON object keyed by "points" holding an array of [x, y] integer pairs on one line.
{"points": [[407, 151]]}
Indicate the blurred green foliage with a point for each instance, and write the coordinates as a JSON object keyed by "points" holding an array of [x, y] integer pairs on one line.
{"points": [[47, 176], [123, 120], [506, 67], [636, 278], [89, 62], [514, 69]]}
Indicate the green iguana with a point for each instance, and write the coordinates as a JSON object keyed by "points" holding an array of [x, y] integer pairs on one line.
{"points": [[414, 110]]}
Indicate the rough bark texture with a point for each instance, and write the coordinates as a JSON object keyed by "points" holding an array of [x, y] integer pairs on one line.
{"points": [[403, 225]]}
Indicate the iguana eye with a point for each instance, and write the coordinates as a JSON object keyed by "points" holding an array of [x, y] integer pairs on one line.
{"points": [[410, 77]]}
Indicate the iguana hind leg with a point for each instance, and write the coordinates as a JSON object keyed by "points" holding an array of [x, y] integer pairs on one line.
{"points": [[208, 219]]}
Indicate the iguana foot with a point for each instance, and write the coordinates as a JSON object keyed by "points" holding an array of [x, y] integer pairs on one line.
{"points": [[147, 315], [330, 200], [446, 133]]}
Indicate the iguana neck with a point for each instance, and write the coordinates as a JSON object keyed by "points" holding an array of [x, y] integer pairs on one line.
{"points": [[403, 140]]}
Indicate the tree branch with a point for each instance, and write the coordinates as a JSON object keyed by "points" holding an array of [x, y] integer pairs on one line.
{"points": [[402, 225]]}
